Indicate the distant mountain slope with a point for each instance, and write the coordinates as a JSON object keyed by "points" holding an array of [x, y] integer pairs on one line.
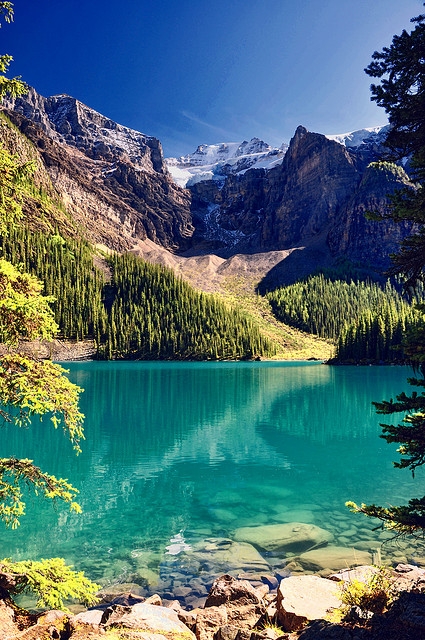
{"points": [[314, 200], [112, 179], [305, 202], [216, 161]]}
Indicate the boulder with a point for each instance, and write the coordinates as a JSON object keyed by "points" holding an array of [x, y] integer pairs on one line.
{"points": [[91, 617], [147, 617], [233, 606], [209, 621], [333, 558], [227, 589], [293, 537], [301, 599]]}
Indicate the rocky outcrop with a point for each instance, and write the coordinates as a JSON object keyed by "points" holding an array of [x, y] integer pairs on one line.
{"points": [[316, 200], [117, 193], [301, 599], [68, 121], [235, 610]]}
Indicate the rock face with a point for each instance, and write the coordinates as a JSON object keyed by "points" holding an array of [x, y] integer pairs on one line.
{"points": [[308, 199], [112, 180], [69, 121], [315, 199]]}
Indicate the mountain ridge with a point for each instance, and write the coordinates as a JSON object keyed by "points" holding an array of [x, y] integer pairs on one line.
{"points": [[216, 161], [305, 206]]}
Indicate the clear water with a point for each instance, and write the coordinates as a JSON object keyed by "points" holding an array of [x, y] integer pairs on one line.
{"points": [[196, 450]]}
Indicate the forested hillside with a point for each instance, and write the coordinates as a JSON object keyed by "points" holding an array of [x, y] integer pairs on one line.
{"points": [[142, 311], [366, 320]]}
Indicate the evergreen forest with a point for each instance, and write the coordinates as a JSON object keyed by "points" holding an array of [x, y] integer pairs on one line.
{"points": [[366, 320], [135, 310]]}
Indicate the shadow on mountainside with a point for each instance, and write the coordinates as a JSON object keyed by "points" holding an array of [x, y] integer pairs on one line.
{"points": [[300, 263]]}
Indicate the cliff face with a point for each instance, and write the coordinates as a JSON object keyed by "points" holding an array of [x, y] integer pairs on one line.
{"points": [[317, 197], [311, 197], [112, 179]]}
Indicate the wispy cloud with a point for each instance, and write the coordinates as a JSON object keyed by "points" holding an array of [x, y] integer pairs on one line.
{"points": [[224, 133]]}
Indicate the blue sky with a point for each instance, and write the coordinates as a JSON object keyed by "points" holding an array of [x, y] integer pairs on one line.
{"points": [[193, 71]]}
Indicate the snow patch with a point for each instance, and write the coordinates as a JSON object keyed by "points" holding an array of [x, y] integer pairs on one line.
{"points": [[355, 139], [216, 161]]}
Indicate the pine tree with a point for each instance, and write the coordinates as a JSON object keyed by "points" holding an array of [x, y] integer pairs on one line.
{"points": [[402, 94]]}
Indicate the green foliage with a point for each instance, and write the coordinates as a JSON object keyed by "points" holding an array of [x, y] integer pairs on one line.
{"points": [[28, 387], [400, 520], [14, 175], [13, 87], [324, 306], [402, 94], [378, 335], [24, 312], [144, 312], [34, 387], [70, 281], [51, 580], [15, 472], [154, 314], [370, 596], [366, 320]]}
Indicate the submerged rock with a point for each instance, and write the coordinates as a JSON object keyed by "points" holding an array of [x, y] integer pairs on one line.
{"points": [[333, 558], [214, 556], [207, 559], [293, 537]]}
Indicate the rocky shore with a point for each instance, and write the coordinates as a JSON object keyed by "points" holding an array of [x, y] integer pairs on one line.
{"points": [[236, 609], [276, 581], [59, 350]]}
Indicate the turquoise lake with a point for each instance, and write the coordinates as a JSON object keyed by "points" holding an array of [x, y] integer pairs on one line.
{"points": [[179, 453]]}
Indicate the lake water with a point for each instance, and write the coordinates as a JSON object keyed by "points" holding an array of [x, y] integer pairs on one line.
{"points": [[178, 456]]}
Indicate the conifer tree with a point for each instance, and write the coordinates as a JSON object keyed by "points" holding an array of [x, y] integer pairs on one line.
{"points": [[401, 91]]}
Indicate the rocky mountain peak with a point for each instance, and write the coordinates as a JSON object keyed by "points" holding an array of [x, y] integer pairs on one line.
{"points": [[67, 120], [307, 199], [255, 145], [216, 161]]}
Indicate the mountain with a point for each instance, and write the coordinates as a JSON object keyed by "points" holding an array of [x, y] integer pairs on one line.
{"points": [[112, 179], [216, 161], [270, 215], [312, 203]]}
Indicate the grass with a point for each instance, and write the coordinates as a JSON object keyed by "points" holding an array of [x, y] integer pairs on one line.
{"points": [[293, 344]]}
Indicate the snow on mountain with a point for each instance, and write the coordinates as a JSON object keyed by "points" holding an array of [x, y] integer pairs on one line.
{"points": [[216, 161], [354, 139]]}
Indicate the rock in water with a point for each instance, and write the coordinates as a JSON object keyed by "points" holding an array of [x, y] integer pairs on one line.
{"points": [[333, 558], [227, 589], [293, 537]]}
